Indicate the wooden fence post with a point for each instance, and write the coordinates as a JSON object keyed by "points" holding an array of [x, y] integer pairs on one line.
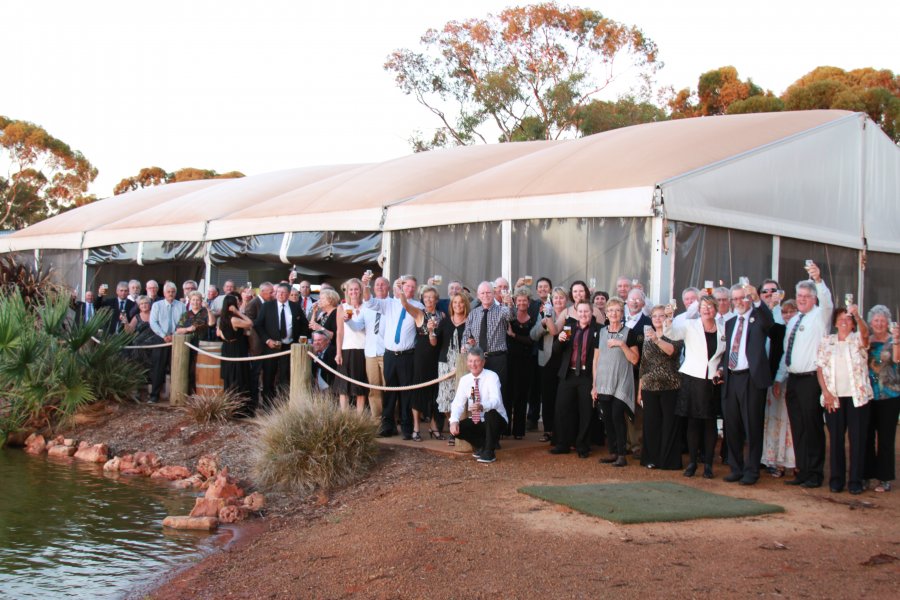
{"points": [[181, 362], [301, 368]]}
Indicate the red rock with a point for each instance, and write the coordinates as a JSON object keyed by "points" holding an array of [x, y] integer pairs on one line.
{"points": [[113, 464], [202, 523], [35, 444], [60, 450], [171, 472], [207, 507], [69, 442], [233, 514], [57, 441], [194, 481], [208, 466], [98, 453], [255, 502], [148, 459], [143, 471], [224, 487]]}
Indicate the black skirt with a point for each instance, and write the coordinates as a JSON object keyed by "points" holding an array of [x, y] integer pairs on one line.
{"points": [[698, 398], [353, 365]]}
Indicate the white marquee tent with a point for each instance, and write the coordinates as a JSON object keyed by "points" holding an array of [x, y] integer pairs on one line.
{"points": [[669, 202]]}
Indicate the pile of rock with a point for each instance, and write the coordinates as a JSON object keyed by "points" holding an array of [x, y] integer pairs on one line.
{"points": [[223, 501]]}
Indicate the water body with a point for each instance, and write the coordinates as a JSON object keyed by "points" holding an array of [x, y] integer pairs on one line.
{"points": [[68, 531]]}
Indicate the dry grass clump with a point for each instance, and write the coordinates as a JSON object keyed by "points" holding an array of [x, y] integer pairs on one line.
{"points": [[217, 407], [312, 445]]}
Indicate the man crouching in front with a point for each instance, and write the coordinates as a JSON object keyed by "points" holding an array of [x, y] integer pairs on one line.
{"points": [[479, 394]]}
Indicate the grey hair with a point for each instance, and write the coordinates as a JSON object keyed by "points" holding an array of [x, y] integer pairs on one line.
{"points": [[170, 285], [734, 288], [561, 291], [722, 289], [266, 284], [690, 289], [523, 290], [191, 281], [134, 281], [153, 281], [807, 285], [476, 351], [487, 283], [122, 284], [637, 290], [879, 309]]}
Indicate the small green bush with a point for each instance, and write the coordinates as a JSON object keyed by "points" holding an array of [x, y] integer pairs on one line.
{"points": [[312, 445], [217, 407]]}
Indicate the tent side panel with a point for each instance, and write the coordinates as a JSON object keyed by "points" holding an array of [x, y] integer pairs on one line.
{"points": [[469, 252], [712, 253]]}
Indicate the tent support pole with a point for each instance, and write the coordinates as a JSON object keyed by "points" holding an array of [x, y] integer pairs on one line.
{"points": [[386, 255], [506, 250], [658, 234], [84, 283], [776, 256], [207, 263]]}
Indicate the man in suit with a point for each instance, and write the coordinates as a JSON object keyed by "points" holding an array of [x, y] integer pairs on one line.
{"points": [[279, 324], [321, 378], [120, 306], [85, 310], [266, 290], [746, 378], [164, 316], [636, 320]]}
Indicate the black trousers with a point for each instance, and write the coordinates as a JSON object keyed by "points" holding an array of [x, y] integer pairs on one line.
{"points": [[854, 423], [499, 364], [549, 387], [744, 411], [160, 357], [255, 370], [535, 391], [276, 373], [880, 453], [398, 371], [483, 435], [807, 426], [515, 400], [701, 440], [662, 433], [613, 411], [574, 411]]}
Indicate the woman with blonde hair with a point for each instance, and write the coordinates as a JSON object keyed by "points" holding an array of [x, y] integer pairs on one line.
{"points": [[350, 348], [452, 347], [425, 360]]}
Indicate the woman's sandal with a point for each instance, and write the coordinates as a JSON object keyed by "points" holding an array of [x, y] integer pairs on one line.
{"points": [[547, 437], [884, 486], [435, 434], [451, 441], [416, 437]]}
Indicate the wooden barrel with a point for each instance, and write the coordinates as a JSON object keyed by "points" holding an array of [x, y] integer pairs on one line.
{"points": [[209, 377]]}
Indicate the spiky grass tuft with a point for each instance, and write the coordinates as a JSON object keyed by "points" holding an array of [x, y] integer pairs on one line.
{"points": [[312, 445], [217, 407]]}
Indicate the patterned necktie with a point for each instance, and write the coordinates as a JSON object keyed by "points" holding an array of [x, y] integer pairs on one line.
{"points": [[790, 347], [399, 326], [476, 415], [483, 334], [736, 344], [282, 325], [377, 323]]}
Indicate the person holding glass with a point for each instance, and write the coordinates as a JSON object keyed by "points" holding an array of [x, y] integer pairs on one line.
{"points": [[350, 347], [658, 394], [425, 361], [884, 356], [544, 333]]}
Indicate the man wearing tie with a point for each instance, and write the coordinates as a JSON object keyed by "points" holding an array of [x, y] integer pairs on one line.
{"points": [[723, 305], [322, 378], [279, 324], [399, 331], [798, 371], [306, 299], [746, 378], [120, 307], [84, 311], [486, 328], [375, 347], [164, 317], [479, 394]]}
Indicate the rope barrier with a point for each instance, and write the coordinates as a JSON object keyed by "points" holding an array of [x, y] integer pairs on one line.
{"points": [[401, 388], [236, 358], [147, 347]]}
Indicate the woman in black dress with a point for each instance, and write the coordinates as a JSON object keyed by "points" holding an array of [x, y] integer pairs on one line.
{"points": [[233, 328], [452, 344], [324, 316], [522, 362], [425, 361], [195, 322]]}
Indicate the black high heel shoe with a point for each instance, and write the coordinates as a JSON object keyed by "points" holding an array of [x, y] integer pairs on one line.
{"points": [[435, 434], [416, 437]]}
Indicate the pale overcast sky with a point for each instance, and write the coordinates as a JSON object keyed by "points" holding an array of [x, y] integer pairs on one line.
{"points": [[262, 86]]}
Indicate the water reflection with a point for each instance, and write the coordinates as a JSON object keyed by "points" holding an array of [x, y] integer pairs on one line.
{"points": [[68, 531]]}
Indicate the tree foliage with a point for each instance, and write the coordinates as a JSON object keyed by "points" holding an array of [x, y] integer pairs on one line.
{"points": [[528, 71], [600, 115], [150, 176], [44, 176], [716, 91]]}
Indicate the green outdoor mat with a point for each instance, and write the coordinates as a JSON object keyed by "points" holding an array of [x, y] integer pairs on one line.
{"points": [[648, 502]]}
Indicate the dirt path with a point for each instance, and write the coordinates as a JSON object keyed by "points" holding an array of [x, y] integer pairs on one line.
{"points": [[428, 526]]}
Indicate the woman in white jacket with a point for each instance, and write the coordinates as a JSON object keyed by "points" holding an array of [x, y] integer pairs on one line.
{"points": [[699, 398]]}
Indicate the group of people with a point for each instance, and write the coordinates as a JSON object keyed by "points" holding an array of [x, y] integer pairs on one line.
{"points": [[594, 368]]}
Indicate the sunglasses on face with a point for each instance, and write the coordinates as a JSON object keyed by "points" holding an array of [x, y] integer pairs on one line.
{"points": [[769, 291]]}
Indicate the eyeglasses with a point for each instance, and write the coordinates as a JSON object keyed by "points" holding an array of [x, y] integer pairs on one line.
{"points": [[771, 291]]}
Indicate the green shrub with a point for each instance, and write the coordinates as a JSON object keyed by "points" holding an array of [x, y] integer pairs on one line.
{"points": [[311, 444], [48, 365], [217, 407]]}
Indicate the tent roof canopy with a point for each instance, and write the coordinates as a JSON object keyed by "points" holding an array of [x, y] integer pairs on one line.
{"points": [[708, 170]]}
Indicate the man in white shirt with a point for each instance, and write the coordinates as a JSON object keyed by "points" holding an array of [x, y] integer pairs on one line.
{"points": [[215, 304], [399, 339], [623, 286], [164, 317], [479, 393], [723, 305], [375, 347], [798, 371]]}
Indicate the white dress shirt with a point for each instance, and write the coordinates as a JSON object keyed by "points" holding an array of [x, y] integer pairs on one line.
{"points": [[374, 340], [815, 325], [288, 320], [488, 391], [632, 319], [742, 362], [391, 309], [722, 319]]}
